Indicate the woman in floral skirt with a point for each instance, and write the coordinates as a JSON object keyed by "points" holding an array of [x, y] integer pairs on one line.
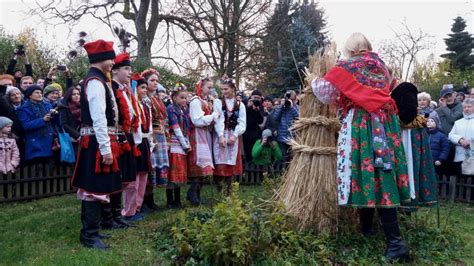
{"points": [[371, 167]]}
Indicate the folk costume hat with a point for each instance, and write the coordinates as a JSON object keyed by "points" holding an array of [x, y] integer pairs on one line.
{"points": [[406, 98], [138, 78], [99, 50], [121, 60]]}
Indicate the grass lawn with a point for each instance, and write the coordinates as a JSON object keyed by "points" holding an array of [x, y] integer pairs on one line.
{"points": [[46, 232]]}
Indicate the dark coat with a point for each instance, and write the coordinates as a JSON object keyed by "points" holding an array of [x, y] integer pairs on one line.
{"points": [[38, 133], [11, 71], [439, 145], [67, 121]]}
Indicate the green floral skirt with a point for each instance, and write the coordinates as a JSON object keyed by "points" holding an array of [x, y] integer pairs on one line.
{"points": [[370, 186], [425, 181]]}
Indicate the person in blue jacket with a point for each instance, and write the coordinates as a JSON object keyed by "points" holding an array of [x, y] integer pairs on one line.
{"points": [[439, 143], [35, 117]]}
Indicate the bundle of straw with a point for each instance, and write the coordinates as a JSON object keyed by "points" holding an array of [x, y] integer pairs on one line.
{"points": [[309, 186]]}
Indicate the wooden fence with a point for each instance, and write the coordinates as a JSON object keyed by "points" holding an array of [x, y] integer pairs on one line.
{"points": [[45, 180]]}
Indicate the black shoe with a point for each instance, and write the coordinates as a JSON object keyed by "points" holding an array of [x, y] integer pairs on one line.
{"points": [[90, 218], [169, 198], [119, 220], [103, 236], [192, 193], [177, 198]]}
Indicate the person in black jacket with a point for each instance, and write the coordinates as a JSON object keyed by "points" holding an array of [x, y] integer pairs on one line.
{"points": [[17, 73], [70, 112], [255, 116]]}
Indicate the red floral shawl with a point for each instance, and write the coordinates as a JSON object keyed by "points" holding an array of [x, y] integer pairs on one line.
{"points": [[364, 80]]}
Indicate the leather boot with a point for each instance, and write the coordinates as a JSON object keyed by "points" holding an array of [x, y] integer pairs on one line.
{"points": [[366, 216], [107, 217], [397, 248], [192, 193], [169, 198], [149, 201], [177, 198], [90, 218], [116, 206]]}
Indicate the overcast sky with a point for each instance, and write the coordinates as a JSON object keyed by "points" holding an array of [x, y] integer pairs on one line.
{"points": [[373, 18]]}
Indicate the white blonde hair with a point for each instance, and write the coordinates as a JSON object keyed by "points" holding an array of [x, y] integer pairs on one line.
{"points": [[424, 95], [355, 44], [469, 101]]}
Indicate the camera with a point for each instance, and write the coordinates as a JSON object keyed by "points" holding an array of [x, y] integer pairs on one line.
{"points": [[256, 103], [287, 99], [20, 49], [61, 68]]}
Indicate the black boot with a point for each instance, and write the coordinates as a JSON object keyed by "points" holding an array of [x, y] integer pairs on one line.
{"points": [[366, 216], [107, 217], [228, 184], [169, 198], [198, 194], [116, 206], [192, 193], [177, 198], [90, 218], [149, 202], [397, 249]]}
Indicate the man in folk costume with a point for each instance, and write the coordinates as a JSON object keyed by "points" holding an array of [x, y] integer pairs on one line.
{"points": [[230, 125], [371, 164], [97, 174], [203, 118], [128, 121]]}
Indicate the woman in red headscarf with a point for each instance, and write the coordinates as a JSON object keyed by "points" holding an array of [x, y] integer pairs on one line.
{"points": [[371, 166], [200, 162]]}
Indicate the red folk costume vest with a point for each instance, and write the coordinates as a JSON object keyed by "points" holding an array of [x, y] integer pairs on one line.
{"points": [[364, 81]]}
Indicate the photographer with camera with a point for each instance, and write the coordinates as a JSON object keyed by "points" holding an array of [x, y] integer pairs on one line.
{"points": [[255, 115], [284, 116], [35, 116], [52, 75], [266, 150], [19, 51]]}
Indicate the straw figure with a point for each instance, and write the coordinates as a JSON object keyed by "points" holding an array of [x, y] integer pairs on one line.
{"points": [[309, 188]]}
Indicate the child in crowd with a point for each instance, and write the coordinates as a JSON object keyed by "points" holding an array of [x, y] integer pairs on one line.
{"points": [[9, 153], [439, 143], [179, 128]]}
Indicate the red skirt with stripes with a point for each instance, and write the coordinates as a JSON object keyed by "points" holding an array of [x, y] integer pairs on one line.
{"points": [[178, 169]]}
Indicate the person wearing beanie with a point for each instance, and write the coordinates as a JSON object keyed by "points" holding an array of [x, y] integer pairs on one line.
{"points": [[129, 121], [97, 173], [9, 152], [51, 94], [266, 150], [35, 116], [439, 143], [255, 117]]}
